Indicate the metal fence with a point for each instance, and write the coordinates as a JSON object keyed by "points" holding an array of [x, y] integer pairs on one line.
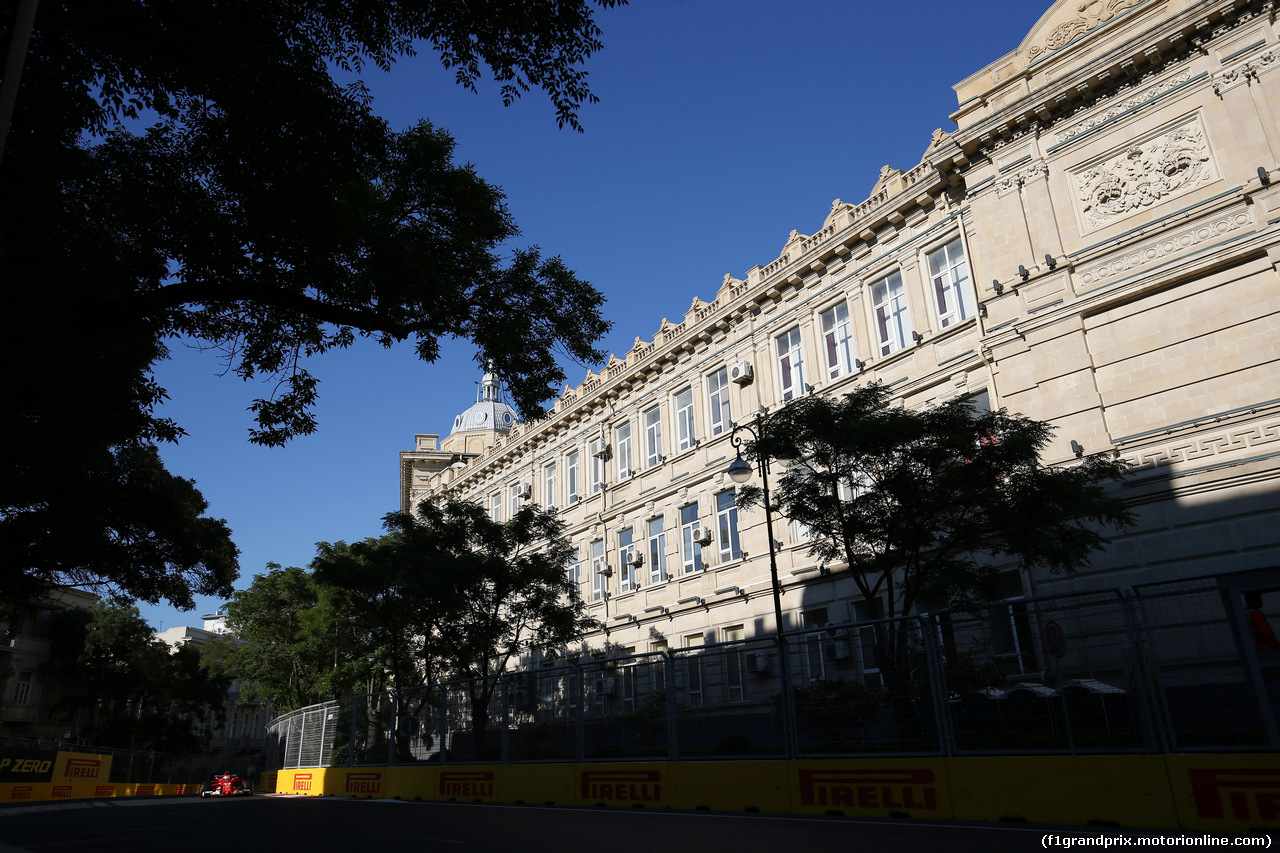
{"points": [[1166, 667]]}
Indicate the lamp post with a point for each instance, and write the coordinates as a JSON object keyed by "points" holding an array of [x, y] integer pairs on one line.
{"points": [[740, 472]]}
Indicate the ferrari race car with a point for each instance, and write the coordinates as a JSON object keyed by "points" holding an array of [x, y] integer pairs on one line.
{"points": [[226, 785]]}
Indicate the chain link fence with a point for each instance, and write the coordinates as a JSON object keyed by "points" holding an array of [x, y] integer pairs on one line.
{"points": [[1167, 667]]}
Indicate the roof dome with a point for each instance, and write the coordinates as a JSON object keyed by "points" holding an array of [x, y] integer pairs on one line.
{"points": [[488, 412]]}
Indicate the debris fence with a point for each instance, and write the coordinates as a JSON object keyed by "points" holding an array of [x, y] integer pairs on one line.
{"points": [[1165, 667]]}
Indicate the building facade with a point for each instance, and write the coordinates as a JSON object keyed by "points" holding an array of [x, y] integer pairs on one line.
{"points": [[26, 695], [239, 740], [1095, 245]]}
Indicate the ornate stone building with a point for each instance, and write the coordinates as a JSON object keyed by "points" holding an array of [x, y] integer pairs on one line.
{"points": [[1095, 245]]}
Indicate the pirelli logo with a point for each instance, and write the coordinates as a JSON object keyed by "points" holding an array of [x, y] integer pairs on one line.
{"points": [[61, 792], [104, 791], [870, 789], [364, 783], [302, 781], [466, 784], [83, 768], [21, 792], [1244, 794], [627, 786], [145, 791]]}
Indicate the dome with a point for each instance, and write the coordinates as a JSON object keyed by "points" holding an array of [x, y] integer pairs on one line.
{"points": [[488, 412]]}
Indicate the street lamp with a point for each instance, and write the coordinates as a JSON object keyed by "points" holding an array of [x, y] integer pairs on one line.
{"points": [[740, 472]]}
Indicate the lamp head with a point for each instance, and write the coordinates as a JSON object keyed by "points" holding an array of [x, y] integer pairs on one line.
{"points": [[739, 471]]}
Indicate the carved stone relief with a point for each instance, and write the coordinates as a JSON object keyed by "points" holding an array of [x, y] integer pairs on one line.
{"points": [[1162, 167], [1091, 14], [1243, 72], [1013, 183]]}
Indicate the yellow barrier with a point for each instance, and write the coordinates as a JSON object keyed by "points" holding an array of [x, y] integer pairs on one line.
{"points": [[1222, 793], [1201, 793]]}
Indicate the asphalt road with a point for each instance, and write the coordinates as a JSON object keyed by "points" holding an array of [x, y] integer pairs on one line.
{"points": [[282, 823]]}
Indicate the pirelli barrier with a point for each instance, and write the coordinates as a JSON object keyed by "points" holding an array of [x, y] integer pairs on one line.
{"points": [[1230, 793], [36, 775]]}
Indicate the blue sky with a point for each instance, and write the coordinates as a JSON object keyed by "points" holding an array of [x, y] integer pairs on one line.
{"points": [[721, 126]]}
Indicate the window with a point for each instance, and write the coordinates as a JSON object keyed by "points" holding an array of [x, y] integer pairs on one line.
{"points": [[599, 565], [653, 438], [790, 365], [622, 441], [718, 399], [495, 506], [889, 301], [733, 661], [689, 672], [837, 341], [865, 611], [657, 551], [727, 516], [549, 485], [626, 571], [515, 499], [815, 666], [950, 276], [799, 531], [692, 550], [684, 420], [575, 573], [571, 478], [599, 453], [22, 689]]}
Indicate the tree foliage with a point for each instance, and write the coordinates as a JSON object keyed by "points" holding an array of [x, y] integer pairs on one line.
{"points": [[450, 592], [196, 172], [290, 642], [925, 506], [121, 687], [447, 593]]}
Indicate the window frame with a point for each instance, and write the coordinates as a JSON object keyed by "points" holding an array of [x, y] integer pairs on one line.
{"points": [[686, 428], [719, 407], [651, 419], [626, 571], [549, 485], [896, 319], [960, 288], [838, 346], [599, 562], [790, 361], [572, 477], [727, 532], [657, 541], [622, 449], [597, 450], [691, 559]]}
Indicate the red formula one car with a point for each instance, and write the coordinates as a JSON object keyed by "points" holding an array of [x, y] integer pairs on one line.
{"points": [[226, 785]]}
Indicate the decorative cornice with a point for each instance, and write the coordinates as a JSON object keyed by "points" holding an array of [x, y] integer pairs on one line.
{"points": [[1155, 251]]}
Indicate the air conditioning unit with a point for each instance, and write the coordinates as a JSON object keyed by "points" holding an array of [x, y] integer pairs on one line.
{"points": [[605, 687], [602, 453], [524, 490], [838, 646], [741, 373], [606, 570], [635, 558], [758, 662], [703, 535], [521, 697]]}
